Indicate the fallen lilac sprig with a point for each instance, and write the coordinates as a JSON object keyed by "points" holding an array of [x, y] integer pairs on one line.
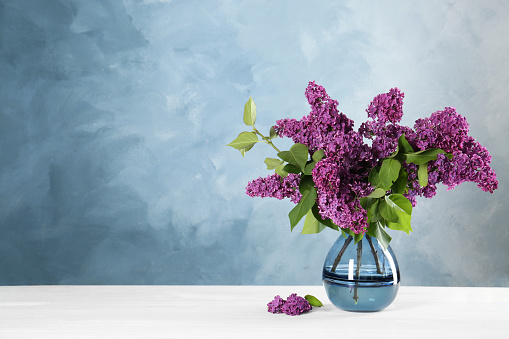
{"points": [[293, 305]]}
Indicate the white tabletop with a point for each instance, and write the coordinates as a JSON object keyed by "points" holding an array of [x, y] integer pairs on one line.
{"points": [[241, 312]]}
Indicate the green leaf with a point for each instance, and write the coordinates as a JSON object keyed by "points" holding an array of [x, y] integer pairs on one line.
{"points": [[404, 146], [308, 191], [377, 193], [388, 212], [291, 169], [389, 172], [404, 212], [250, 112], [423, 157], [311, 224], [347, 231], [327, 222], [404, 223], [397, 209], [280, 170], [374, 176], [309, 168], [402, 226], [357, 237], [272, 133], [400, 185], [318, 155], [297, 155], [401, 202], [245, 149], [313, 301], [422, 174], [366, 202], [374, 211], [273, 163], [376, 230], [306, 184], [244, 140]]}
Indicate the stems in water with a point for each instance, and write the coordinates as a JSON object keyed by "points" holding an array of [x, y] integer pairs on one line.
{"points": [[358, 270], [359, 260]]}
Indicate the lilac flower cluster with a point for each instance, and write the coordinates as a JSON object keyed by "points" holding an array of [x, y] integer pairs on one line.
{"points": [[341, 177], [470, 162], [293, 305], [274, 186], [445, 129], [385, 111], [321, 127]]}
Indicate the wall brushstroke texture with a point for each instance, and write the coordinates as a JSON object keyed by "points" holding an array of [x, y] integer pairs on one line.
{"points": [[114, 116]]}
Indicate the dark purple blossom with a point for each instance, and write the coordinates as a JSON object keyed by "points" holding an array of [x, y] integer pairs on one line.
{"points": [[295, 305], [448, 130], [274, 186], [321, 127], [387, 107], [445, 129], [276, 305], [385, 112], [338, 189]]}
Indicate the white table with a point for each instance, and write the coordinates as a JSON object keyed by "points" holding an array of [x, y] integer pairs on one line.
{"points": [[240, 312]]}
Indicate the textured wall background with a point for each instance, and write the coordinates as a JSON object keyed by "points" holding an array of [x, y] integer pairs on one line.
{"points": [[114, 116]]}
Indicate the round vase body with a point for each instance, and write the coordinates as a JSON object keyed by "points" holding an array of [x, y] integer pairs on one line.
{"points": [[362, 277]]}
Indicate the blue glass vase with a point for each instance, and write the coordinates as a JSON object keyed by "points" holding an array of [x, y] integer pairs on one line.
{"points": [[362, 277]]}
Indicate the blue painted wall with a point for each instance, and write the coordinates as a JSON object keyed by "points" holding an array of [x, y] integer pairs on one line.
{"points": [[114, 116]]}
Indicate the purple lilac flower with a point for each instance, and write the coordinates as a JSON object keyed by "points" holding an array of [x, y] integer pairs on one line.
{"points": [[337, 189], [274, 186], [448, 130], [385, 111], [275, 305], [321, 127], [295, 305], [445, 129], [387, 107]]}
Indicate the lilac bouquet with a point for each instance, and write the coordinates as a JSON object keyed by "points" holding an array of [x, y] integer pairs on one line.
{"points": [[364, 181]]}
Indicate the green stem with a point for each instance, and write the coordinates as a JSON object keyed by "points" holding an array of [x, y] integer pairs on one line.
{"points": [[266, 139]]}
